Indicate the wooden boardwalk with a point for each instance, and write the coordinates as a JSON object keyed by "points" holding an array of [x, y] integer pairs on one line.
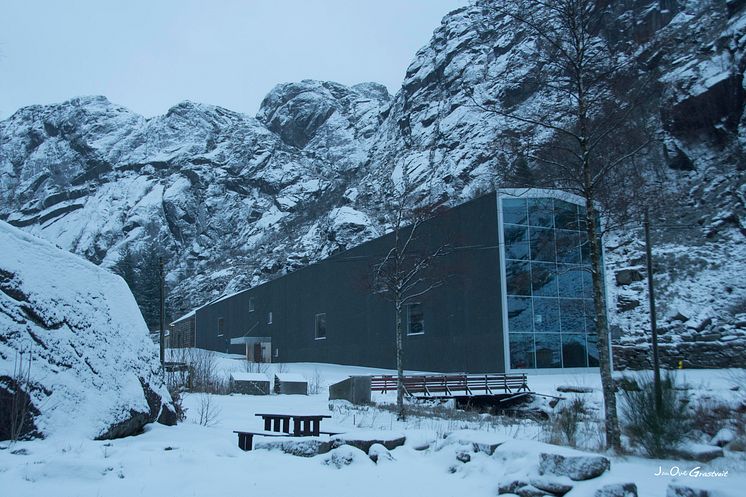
{"points": [[454, 385]]}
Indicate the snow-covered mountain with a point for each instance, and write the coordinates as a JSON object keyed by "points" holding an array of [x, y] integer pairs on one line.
{"points": [[236, 200]]}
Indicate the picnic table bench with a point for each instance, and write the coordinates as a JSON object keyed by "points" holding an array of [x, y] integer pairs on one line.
{"points": [[303, 424], [278, 425], [246, 438]]}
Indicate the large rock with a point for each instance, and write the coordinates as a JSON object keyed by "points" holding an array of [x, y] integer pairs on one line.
{"points": [[510, 486], [679, 489], [378, 453], [529, 491], [617, 490], [536, 486], [475, 441], [555, 486], [90, 367], [299, 112], [575, 467], [628, 276], [698, 452], [345, 456]]}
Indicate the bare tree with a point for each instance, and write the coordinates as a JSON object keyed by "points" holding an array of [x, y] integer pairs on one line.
{"points": [[207, 412], [591, 92], [404, 275]]}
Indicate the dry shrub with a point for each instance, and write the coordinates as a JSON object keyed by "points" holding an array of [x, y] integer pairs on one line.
{"points": [[315, 383], [712, 415], [657, 433], [207, 411], [573, 423], [201, 373]]}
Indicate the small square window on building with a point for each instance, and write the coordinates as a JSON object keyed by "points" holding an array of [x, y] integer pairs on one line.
{"points": [[320, 326], [277, 352], [221, 327], [251, 304], [415, 319], [269, 317]]}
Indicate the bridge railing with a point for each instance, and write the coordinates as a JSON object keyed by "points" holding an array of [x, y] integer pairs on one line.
{"points": [[451, 385]]}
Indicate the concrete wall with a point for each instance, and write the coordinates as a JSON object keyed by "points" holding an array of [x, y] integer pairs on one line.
{"points": [[251, 387], [355, 389]]}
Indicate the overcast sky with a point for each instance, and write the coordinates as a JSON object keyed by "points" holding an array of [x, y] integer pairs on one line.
{"points": [[150, 55]]}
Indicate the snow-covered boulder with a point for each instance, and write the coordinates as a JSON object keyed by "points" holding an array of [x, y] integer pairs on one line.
{"points": [[536, 486], [90, 368], [575, 467], [346, 455], [378, 453], [617, 490], [297, 446], [702, 489], [476, 441], [555, 486], [723, 437], [698, 452]]}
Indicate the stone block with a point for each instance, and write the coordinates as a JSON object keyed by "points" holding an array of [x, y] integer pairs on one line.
{"points": [[575, 467]]}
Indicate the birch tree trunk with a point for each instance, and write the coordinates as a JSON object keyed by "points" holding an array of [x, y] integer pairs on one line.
{"points": [[399, 366]]}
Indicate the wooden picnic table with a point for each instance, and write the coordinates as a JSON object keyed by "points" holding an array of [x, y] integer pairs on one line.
{"points": [[303, 424]]}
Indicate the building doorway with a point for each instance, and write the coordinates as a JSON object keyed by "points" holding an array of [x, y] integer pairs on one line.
{"points": [[258, 349]]}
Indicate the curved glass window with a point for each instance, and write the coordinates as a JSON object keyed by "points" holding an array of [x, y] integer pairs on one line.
{"points": [[516, 242], [520, 315], [518, 278], [546, 315], [522, 351], [515, 211], [573, 351], [544, 279], [542, 243], [548, 351], [548, 282]]}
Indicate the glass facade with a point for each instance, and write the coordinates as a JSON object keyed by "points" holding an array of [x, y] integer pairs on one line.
{"points": [[548, 283]]}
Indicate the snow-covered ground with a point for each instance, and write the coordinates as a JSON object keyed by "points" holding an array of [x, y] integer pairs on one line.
{"points": [[194, 460]]}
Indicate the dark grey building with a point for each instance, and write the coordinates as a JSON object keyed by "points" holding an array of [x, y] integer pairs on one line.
{"points": [[514, 295]]}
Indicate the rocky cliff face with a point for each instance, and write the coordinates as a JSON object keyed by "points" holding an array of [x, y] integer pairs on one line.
{"points": [[236, 200]]}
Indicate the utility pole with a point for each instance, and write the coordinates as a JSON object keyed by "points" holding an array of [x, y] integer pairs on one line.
{"points": [[161, 283], [653, 322]]}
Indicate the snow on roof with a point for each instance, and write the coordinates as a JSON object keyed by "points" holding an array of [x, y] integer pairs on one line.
{"points": [[290, 378], [185, 316], [249, 377]]}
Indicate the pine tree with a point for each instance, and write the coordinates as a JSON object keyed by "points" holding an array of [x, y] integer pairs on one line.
{"points": [[148, 285], [520, 174], [125, 268]]}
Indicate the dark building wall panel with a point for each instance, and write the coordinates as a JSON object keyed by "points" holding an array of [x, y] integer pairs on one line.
{"points": [[463, 325]]}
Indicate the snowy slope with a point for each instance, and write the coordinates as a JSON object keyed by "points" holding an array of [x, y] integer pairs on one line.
{"points": [[94, 371], [237, 200]]}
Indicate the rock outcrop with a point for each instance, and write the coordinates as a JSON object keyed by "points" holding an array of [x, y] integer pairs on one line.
{"points": [[74, 349]]}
